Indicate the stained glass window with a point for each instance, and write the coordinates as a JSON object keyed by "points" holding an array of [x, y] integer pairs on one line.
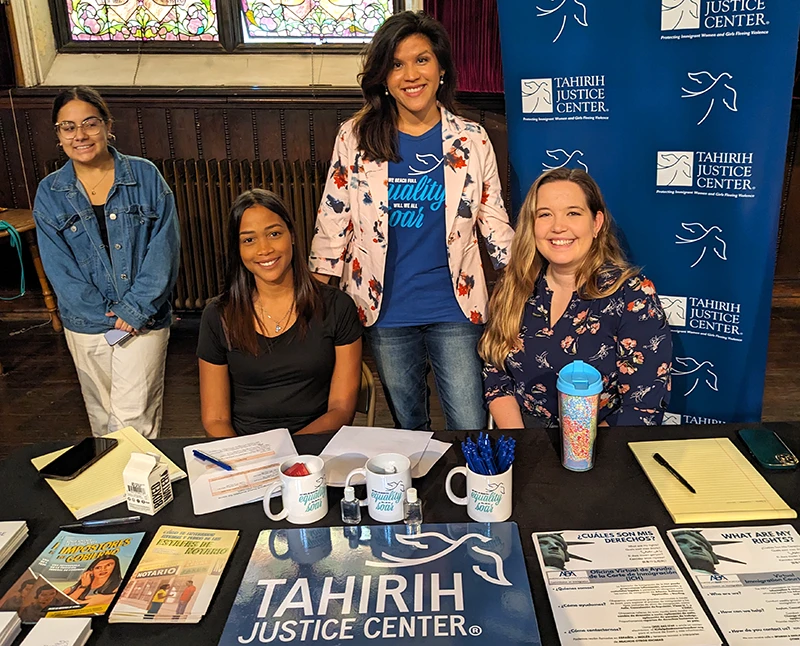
{"points": [[143, 20], [313, 21]]}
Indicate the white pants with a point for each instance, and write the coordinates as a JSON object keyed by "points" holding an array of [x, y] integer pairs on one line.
{"points": [[122, 385]]}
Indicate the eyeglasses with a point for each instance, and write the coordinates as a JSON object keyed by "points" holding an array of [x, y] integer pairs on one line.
{"points": [[90, 126]]}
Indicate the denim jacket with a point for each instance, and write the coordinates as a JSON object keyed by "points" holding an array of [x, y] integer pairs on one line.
{"points": [[135, 275]]}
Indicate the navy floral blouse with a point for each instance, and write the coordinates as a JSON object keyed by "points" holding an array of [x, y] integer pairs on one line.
{"points": [[625, 336]]}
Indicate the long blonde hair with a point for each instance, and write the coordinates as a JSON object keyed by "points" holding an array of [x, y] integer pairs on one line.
{"points": [[517, 282]]}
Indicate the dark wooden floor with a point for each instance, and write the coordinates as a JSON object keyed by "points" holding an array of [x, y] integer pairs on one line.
{"points": [[40, 399]]}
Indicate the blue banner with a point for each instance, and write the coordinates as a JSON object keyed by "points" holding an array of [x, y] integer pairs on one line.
{"points": [[445, 584], [680, 110]]}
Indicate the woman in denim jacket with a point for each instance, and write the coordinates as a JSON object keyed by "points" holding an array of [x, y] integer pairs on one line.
{"points": [[109, 240]]}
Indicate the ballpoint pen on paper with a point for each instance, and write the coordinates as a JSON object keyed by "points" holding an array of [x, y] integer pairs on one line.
{"points": [[657, 457], [102, 522], [208, 458]]}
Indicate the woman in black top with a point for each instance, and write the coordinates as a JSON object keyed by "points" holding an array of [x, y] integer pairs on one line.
{"points": [[277, 348]]}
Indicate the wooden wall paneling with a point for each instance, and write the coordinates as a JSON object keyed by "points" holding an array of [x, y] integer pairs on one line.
{"points": [[298, 143], [268, 130], [242, 134], [787, 266], [327, 128], [214, 132], [154, 125], [38, 143], [126, 129], [12, 191], [183, 133]]}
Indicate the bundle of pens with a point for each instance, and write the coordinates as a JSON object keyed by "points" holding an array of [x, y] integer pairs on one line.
{"points": [[488, 460]]}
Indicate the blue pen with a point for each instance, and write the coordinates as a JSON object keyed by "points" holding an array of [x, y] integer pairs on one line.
{"points": [[207, 458]]}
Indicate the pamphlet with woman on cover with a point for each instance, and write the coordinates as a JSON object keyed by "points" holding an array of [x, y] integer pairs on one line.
{"points": [[76, 575]]}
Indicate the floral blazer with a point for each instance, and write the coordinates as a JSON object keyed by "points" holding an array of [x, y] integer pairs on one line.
{"points": [[625, 336], [350, 238]]}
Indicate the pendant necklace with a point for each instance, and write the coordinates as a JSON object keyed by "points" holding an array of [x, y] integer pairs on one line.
{"points": [[93, 190], [279, 324]]}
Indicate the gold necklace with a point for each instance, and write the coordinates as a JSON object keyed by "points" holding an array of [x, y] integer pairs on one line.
{"points": [[279, 324], [93, 190]]}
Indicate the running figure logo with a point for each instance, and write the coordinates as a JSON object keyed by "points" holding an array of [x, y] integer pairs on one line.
{"points": [[715, 88], [444, 545], [688, 366], [564, 8], [561, 159], [537, 95], [675, 168], [705, 237], [680, 14]]}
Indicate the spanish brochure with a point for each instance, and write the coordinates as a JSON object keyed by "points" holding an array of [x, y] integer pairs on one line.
{"points": [[619, 587]]}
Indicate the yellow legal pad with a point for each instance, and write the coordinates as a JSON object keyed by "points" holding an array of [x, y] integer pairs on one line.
{"points": [[728, 487], [100, 486]]}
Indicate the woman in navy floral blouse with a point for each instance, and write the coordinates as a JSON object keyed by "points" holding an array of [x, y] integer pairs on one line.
{"points": [[568, 293]]}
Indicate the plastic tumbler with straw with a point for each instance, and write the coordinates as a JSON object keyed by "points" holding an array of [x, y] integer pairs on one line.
{"points": [[579, 387]]}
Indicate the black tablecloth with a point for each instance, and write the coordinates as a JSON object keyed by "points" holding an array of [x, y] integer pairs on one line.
{"points": [[614, 495]]}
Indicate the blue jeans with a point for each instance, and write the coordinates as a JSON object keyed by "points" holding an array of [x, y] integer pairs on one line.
{"points": [[404, 356]]}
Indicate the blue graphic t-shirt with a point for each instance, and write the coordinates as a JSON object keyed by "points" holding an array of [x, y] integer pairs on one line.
{"points": [[417, 289]]}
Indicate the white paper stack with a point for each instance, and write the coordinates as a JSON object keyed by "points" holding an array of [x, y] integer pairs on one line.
{"points": [[12, 534], [59, 631], [256, 460], [9, 627], [352, 446]]}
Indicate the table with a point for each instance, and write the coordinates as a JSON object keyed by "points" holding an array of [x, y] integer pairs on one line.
{"points": [[614, 495]]}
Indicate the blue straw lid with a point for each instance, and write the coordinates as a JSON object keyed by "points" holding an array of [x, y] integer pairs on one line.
{"points": [[579, 378]]}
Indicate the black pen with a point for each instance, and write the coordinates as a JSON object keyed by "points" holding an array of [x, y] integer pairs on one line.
{"points": [[103, 522], [657, 457]]}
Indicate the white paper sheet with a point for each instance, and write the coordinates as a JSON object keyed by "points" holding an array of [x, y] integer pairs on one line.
{"points": [[749, 578], [255, 460], [619, 587], [352, 446]]}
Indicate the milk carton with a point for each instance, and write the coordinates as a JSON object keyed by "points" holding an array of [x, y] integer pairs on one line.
{"points": [[147, 484]]}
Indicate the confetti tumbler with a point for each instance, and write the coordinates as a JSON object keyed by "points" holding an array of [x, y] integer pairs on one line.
{"points": [[579, 386]]}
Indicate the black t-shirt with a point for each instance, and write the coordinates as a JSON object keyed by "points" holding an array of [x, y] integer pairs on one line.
{"points": [[287, 384], [100, 215]]}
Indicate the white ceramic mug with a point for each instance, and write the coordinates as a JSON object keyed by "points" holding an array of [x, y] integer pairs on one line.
{"points": [[388, 476], [305, 498], [488, 498], [305, 545]]}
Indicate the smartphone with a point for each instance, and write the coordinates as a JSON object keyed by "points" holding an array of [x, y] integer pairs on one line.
{"points": [[77, 459], [116, 336], [769, 449]]}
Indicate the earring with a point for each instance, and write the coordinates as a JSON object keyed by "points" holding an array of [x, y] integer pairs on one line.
{"points": [[386, 90], [112, 136], [441, 80]]}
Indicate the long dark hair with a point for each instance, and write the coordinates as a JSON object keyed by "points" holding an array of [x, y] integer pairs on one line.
{"points": [[238, 310], [111, 584], [82, 93], [376, 122]]}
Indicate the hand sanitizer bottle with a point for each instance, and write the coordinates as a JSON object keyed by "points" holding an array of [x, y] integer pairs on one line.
{"points": [[351, 510], [412, 508]]}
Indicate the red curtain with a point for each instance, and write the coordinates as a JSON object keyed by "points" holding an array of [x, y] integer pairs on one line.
{"points": [[475, 32]]}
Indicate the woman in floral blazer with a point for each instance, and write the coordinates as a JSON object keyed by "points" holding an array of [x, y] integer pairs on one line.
{"points": [[569, 294], [410, 185]]}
